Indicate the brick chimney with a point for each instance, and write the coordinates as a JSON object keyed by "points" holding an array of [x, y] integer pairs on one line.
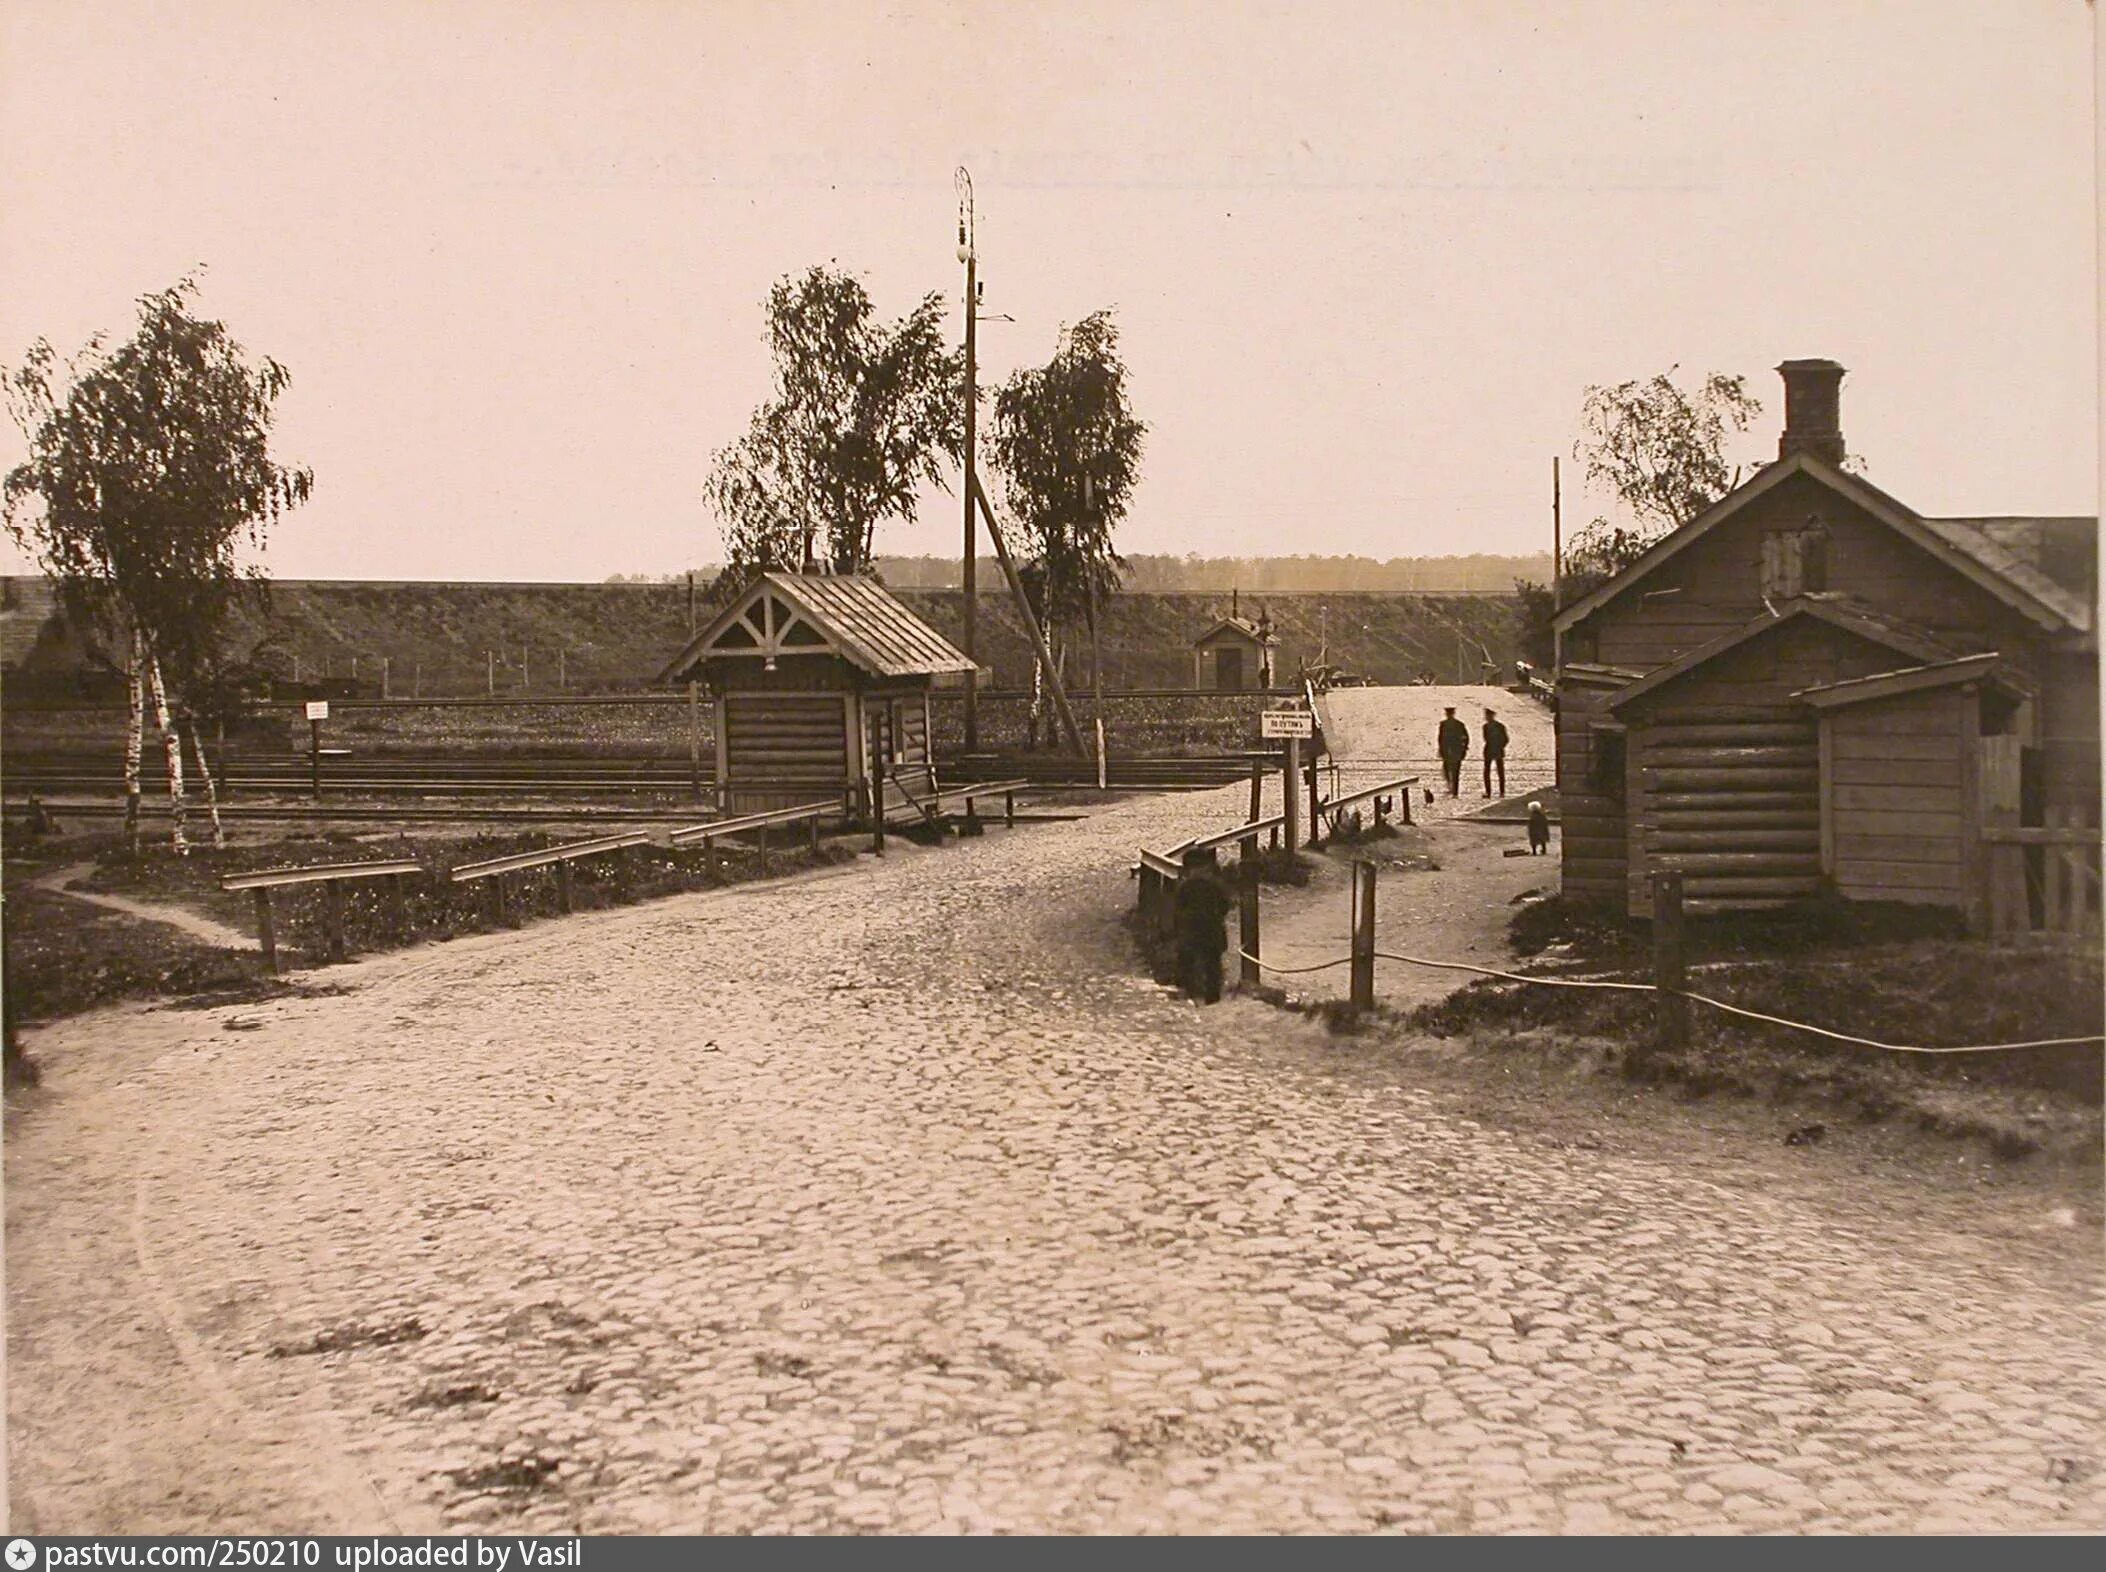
{"points": [[1813, 420]]}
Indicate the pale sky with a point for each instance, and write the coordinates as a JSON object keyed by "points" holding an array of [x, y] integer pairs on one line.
{"points": [[1366, 257]]}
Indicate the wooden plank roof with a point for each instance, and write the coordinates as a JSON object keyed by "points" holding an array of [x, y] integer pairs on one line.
{"points": [[860, 620], [1966, 548], [1910, 679]]}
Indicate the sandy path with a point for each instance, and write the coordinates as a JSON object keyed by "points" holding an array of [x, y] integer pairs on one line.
{"points": [[62, 880]]}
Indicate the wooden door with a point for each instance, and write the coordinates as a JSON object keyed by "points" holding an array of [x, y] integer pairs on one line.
{"points": [[1228, 668]]}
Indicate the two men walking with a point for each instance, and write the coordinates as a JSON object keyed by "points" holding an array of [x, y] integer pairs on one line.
{"points": [[1453, 744]]}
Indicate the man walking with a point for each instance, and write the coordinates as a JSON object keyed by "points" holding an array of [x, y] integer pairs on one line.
{"points": [[1454, 746], [1494, 751], [1201, 913]]}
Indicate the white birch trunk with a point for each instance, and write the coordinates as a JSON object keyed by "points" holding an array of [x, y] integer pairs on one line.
{"points": [[204, 775], [172, 747], [134, 741]]}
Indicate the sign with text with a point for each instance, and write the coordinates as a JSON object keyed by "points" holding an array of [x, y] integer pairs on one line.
{"points": [[1286, 723], [317, 709]]}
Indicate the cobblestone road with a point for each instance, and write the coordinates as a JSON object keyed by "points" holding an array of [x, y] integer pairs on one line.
{"points": [[888, 1199]]}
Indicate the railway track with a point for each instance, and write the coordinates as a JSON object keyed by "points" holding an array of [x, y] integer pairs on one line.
{"points": [[533, 776]]}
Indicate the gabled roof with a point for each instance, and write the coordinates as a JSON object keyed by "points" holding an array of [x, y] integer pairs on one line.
{"points": [[1242, 626], [1850, 616], [845, 614], [1971, 552], [1910, 679]]}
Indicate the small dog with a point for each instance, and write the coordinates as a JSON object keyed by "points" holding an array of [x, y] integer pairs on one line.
{"points": [[1538, 830]]}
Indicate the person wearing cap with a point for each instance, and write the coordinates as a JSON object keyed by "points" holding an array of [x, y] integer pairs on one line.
{"points": [[1201, 910], [1453, 744], [1494, 751]]}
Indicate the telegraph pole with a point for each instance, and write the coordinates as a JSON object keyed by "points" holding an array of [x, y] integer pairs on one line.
{"points": [[1557, 569], [969, 577]]}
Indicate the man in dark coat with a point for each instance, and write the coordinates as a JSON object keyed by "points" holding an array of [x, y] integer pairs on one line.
{"points": [[1201, 912], [1494, 751], [1453, 743]]}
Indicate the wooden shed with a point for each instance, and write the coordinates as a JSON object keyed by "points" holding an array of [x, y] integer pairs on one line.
{"points": [[820, 684], [1907, 786], [1235, 654]]}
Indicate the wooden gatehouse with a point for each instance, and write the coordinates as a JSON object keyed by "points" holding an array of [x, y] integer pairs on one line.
{"points": [[820, 684]]}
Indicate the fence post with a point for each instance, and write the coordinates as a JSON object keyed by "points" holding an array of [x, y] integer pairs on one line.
{"points": [[1671, 1005], [764, 851], [265, 933], [563, 894], [1247, 926], [333, 917], [1363, 936], [1257, 794]]}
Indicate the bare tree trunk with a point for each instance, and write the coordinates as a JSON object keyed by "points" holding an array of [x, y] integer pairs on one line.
{"points": [[134, 740], [172, 747], [204, 775], [1096, 657]]}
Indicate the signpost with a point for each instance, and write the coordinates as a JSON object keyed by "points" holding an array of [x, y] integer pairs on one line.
{"points": [[1293, 725], [317, 712]]}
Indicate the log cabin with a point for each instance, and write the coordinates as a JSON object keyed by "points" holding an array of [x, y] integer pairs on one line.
{"points": [[820, 684], [1811, 689]]}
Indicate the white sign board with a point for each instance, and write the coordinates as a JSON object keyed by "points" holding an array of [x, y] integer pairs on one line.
{"points": [[1286, 723], [317, 709]]}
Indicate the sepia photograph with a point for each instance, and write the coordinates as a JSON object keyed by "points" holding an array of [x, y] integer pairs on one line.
{"points": [[1094, 768]]}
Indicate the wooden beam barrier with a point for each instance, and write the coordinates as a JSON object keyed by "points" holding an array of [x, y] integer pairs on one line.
{"points": [[331, 877]]}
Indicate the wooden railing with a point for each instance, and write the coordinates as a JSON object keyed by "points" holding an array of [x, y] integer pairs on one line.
{"points": [[558, 857], [331, 876], [1400, 787]]}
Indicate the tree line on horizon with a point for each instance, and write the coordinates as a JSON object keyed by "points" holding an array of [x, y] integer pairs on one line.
{"points": [[1192, 573]]}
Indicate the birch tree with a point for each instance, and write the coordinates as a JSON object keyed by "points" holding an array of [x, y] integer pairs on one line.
{"points": [[1068, 447], [864, 413], [149, 468]]}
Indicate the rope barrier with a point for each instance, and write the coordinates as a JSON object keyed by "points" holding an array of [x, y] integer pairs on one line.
{"points": [[1637, 987]]}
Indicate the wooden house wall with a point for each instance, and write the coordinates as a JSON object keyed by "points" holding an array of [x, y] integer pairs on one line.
{"points": [[782, 749], [2068, 719], [1896, 817], [1590, 799], [1723, 770], [1718, 587]]}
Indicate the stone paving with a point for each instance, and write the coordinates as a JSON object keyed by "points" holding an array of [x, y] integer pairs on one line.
{"points": [[888, 1198]]}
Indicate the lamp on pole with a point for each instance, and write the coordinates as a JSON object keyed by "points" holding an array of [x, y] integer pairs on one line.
{"points": [[969, 577]]}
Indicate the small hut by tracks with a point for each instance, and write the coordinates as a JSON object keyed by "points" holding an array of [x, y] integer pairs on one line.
{"points": [[1236, 654], [820, 683]]}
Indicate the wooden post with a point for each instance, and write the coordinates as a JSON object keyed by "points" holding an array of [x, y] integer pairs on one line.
{"points": [[764, 851], [1100, 753], [1291, 793], [494, 900], [266, 934], [490, 671], [1671, 1007], [314, 756], [694, 739], [1009, 809], [563, 890], [333, 917], [1363, 967], [385, 664], [1257, 793], [1315, 803], [1247, 928]]}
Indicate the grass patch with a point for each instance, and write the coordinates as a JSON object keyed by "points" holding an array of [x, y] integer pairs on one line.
{"points": [[65, 956], [1927, 992]]}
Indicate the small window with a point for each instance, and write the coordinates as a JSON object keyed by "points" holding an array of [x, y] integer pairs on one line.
{"points": [[1795, 561]]}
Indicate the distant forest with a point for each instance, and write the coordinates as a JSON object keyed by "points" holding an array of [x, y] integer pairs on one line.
{"points": [[1166, 575]]}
